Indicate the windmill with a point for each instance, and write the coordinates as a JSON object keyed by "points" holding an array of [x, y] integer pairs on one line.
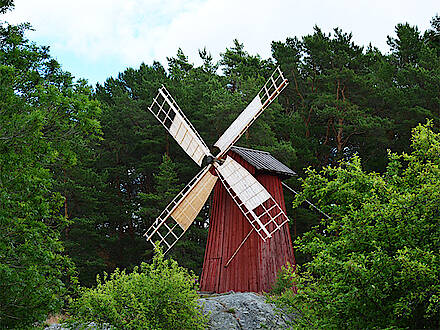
{"points": [[263, 213]]}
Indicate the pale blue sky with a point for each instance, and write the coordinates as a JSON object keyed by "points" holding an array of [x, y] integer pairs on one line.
{"points": [[96, 39]]}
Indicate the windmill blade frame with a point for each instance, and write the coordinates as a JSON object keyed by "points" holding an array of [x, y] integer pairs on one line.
{"points": [[168, 113], [175, 219], [273, 86], [254, 201]]}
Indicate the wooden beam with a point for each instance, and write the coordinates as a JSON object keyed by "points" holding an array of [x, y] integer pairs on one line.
{"points": [[239, 247]]}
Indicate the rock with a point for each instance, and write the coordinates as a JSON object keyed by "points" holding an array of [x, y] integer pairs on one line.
{"points": [[90, 326], [242, 311]]}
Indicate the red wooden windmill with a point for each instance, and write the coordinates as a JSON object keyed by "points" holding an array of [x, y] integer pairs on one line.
{"points": [[241, 255]]}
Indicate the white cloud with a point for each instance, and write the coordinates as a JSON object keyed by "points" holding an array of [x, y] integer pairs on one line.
{"points": [[94, 28], [135, 31]]}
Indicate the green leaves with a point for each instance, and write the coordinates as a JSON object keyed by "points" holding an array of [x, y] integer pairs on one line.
{"points": [[45, 119], [160, 295], [166, 187], [376, 262]]}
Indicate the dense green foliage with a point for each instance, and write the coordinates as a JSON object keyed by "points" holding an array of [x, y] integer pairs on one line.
{"points": [[44, 119], [84, 172], [160, 295], [376, 262]]}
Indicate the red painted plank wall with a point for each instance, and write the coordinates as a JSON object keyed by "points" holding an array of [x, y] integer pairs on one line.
{"points": [[255, 266]]}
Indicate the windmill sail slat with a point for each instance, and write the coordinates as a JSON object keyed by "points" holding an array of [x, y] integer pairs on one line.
{"points": [[250, 191], [166, 110], [235, 130], [258, 206], [264, 98], [187, 211], [173, 222]]}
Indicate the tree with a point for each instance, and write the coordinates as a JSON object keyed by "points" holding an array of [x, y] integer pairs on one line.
{"points": [[331, 95], [375, 262], [44, 116], [179, 65], [238, 65], [6, 5], [83, 188], [432, 36], [166, 187], [124, 162], [409, 82]]}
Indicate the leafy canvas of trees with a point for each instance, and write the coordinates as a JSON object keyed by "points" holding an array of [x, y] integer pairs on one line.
{"points": [[85, 170]]}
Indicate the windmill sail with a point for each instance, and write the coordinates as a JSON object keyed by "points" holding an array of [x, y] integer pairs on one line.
{"points": [[166, 110], [173, 222], [267, 94], [257, 205]]}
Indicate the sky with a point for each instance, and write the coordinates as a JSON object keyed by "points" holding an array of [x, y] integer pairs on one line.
{"points": [[97, 39]]}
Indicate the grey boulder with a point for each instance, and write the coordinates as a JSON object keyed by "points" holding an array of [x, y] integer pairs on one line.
{"points": [[246, 310]]}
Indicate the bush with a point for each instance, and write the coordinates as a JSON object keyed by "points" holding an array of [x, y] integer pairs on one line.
{"points": [[376, 262], [284, 280], [161, 295]]}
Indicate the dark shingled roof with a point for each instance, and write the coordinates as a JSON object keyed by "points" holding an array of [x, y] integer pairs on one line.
{"points": [[263, 161]]}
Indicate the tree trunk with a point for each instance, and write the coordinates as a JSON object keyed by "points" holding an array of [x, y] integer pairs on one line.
{"points": [[339, 142]]}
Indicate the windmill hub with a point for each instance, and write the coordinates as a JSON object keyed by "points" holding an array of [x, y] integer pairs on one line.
{"points": [[208, 160]]}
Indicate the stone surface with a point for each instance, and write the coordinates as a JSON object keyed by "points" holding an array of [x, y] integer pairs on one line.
{"points": [[90, 326], [242, 311]]}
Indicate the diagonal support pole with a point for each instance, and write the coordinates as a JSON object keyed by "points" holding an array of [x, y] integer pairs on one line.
{"points": [[239, 247], [296, 193]]}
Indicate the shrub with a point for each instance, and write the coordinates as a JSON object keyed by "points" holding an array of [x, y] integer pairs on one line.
{"points": [[376, 262], [284, 280], [161, 295]]}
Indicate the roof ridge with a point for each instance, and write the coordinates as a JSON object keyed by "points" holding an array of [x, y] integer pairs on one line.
{"points": [[254, 150], [263, 161]]}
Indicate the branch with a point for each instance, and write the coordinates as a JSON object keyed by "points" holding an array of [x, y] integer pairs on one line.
{"points": [[327, 131], [350, 135], [297, 89]]}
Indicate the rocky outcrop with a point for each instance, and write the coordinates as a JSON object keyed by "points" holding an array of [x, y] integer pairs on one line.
{"points": [[246, 310]]}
